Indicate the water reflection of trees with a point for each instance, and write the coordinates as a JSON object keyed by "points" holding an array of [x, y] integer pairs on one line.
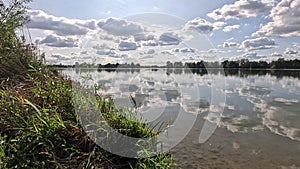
{"points": [[277, 73], [226, 72]]}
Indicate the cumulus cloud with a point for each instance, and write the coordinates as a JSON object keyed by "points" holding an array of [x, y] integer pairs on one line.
{"points": [[184, 50], [249, 56], [229, 44], [150, 43], [242, 9], [101, 46], [148, 52], [285, 20], [151, 51], [218, 25], [143, 37], [258, 44], [127, 45], [60, 25], [84, 52], [120, 27], [209, 51], [111, 53], [146, 39], [145, 57], [296, 45], [60, 57], [201, 25], [57, 41], [103, 52], [230, 28], [276, 54], [169, 38], [289, 51], [114, 54], [91, 24], [167, 52]]}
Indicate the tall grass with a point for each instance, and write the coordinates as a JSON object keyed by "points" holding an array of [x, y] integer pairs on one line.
{"points": [[40, 129], [16, 57]]}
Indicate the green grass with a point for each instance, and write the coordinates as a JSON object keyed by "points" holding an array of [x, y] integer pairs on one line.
{"points": [[40, 129]]}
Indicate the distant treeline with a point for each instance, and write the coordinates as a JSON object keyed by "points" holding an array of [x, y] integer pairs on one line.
{"points": [[240, 64], [125, 66], [61, 66], [279, 64]]}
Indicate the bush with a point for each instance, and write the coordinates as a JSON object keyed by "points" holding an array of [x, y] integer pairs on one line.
{"points": [[16, 57]]}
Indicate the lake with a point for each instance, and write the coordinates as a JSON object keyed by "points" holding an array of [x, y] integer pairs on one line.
{"points": [[256, 112]]}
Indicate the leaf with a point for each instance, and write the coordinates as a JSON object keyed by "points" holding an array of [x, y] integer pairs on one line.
{"points": [[133, 101]]}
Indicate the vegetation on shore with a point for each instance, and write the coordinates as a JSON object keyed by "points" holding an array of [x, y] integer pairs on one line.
{"points": [[39, 126], [238, 64]]}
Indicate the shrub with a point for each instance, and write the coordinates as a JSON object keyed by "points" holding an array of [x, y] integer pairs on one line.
{"points": [[16, 57]]}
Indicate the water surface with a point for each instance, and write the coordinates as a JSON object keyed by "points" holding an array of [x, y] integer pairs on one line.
{"points": [[259, 127]]}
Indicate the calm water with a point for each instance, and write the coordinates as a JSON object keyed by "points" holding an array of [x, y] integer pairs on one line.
{"points": [[259, 123]]}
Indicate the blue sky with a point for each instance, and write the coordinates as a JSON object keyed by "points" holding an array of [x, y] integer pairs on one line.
{"points": [[69, 31], [80, 9]]}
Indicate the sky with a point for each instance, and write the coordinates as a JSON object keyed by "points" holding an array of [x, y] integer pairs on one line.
{"points": [[156, 31]]}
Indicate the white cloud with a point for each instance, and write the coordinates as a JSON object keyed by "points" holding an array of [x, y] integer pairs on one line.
{"points": [[230, 28], [289, 51], [285, 20], [59, 57], [229, 44], [209, 51], [273, 57], [143, 37], [111, 53], [258, 44], [276, 54], [146, 39], [184, 50], [91, 24], [120, 27], [167, 52], [148, 52], [84, 52], [241, 9], [127, 45], [252, 56], [101, 46], [204, 26], [201, 25], [218, 25], [56, 41], [151, 51], [169, 38], [103, 52], [296, 45], [150, 43], [107, 37], [60, 25]]}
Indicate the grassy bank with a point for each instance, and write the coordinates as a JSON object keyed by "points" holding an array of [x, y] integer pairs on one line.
{"points": [[40, 129]]}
